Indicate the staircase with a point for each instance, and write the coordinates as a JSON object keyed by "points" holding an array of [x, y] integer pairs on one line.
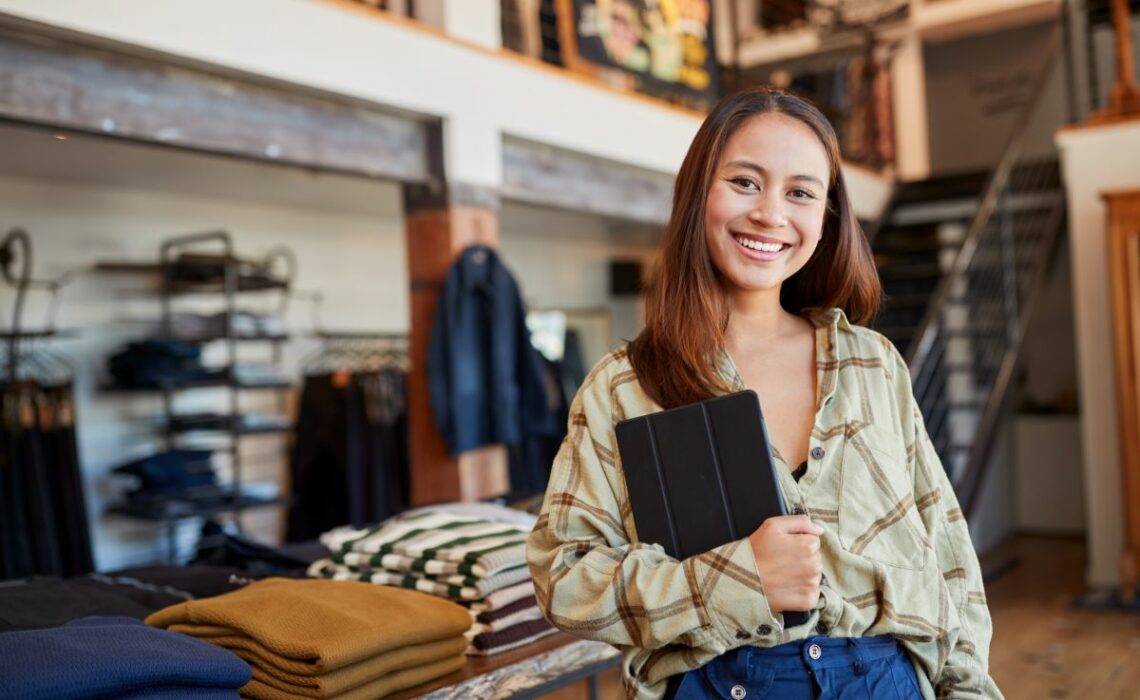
{"points": [[962, 261], [925, 225]]}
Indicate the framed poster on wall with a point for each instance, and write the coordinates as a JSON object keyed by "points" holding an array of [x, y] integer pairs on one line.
{"points": [[664, 47]]}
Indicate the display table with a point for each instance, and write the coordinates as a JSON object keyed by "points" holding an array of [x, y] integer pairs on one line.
{"points": [[528, 672]]}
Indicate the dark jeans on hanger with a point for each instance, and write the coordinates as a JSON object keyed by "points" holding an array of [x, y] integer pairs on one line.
{"points": [[349, 462]]}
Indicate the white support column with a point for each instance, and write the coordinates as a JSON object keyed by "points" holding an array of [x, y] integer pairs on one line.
{"points": [[724, 32], [908, 96], [477, 21], [473, 151]]}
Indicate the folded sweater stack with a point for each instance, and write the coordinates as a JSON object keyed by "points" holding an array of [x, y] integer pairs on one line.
{"points": [[120, 657], [327, 639], [477, 562]]}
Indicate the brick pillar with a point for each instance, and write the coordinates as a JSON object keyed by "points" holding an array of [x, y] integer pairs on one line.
{"points": [[440, 221]]}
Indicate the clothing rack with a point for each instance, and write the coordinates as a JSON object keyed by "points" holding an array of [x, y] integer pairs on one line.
{"points": [[43, 513], [350, 453], [358, 351], [16, 250]]}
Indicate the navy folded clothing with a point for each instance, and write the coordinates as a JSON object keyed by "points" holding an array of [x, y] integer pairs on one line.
{"points": [[44, 601], [112, 657], [157, 363], [180, 692], [171, 470], [192, 581]]}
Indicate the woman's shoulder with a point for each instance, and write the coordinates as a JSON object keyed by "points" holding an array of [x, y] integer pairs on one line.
{"points": [[615, 362], [855, 341], [612, 386]]}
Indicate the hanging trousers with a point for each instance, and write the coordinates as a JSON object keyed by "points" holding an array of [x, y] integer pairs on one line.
{"points": [[817, 668]]}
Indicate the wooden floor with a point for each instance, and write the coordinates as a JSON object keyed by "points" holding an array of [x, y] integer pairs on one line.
{"points": [[1043, 648]]}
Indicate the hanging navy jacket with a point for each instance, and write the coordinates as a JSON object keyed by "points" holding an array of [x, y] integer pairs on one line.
{"points": [[484, 376]]}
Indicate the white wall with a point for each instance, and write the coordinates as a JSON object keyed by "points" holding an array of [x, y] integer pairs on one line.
{"points": [[1049, 479], [977, 89], [1096, 160], [539, 243]]}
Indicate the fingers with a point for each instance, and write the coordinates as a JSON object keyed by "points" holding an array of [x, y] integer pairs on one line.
{"points": [[796, 525]]}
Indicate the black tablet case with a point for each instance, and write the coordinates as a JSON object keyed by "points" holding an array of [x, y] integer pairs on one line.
{"points": [[701, 475]]}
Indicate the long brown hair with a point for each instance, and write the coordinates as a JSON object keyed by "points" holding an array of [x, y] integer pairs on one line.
{"points": [[686, 303]]}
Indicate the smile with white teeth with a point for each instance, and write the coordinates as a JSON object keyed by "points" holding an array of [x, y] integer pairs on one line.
{"points": [[758, 245]]}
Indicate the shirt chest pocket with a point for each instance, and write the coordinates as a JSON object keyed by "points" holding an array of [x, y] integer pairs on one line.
{"points": [[878, 519]]}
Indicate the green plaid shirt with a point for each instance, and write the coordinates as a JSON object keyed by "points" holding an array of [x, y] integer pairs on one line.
{"points": [[897, 556]]}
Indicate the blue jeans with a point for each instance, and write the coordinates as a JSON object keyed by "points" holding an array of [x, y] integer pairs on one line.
{"points": [[816, 668]]}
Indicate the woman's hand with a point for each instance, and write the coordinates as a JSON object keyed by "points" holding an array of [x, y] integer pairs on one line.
{"points": [[788, 561]]}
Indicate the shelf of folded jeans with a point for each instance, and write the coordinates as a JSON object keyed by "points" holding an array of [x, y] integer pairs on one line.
{"points": [[245, 282], [43, 333], [206, 383], [173, 508], [215, 337], [246, 424]]}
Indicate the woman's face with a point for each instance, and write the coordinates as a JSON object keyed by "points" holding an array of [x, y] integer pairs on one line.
{"points": [[766, 203]]}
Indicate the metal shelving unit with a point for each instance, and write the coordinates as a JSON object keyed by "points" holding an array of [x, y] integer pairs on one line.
{"points": [[233, 282]]}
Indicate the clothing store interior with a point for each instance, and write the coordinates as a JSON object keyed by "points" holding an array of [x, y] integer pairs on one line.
{"points": [[297, 296]]}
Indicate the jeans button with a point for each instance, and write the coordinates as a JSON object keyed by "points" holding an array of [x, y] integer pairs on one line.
{"points": [[815, 651], [738, 692]]}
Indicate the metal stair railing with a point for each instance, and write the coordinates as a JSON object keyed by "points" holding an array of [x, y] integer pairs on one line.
{"points": [[977, 317]]}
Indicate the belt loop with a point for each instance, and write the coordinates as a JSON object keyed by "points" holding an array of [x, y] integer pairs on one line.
{"points": [[860, 666]]}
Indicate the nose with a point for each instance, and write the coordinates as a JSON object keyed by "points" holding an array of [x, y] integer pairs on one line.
{"points": [[768, 217]]}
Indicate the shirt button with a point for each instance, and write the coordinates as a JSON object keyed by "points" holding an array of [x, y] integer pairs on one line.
{"points": [[798, 509], [814, 651], [764, 630], [741, 634], [821, 628], [817, 453]]}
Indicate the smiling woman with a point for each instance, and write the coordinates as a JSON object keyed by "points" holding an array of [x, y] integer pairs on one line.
{"points": [[771, 212], [763, 169], [764, 278]]}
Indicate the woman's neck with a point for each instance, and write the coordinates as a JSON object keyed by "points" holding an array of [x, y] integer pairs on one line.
{"points": [[757, 319]]}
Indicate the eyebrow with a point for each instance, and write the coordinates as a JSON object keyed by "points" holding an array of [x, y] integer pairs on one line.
{"points": [[749, 165]]}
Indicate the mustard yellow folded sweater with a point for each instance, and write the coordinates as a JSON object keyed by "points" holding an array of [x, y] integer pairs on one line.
{"points": [[299, 677], [325, 625], [385, 685]]}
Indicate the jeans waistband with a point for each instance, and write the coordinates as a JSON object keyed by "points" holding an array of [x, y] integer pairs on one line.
{"points": [[820, 652]]}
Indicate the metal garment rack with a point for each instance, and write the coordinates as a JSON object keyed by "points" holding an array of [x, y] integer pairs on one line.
{"points": [[16, 250], [276, 271]]}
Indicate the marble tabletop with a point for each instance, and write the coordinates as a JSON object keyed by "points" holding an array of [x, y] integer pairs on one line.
{"points": [[529, 673]]}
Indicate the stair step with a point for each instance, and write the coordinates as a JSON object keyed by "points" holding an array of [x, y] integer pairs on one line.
{"points": [[906, 300], [944, 187], [897, 241], [964, 210], [935, 212], [910, 271]]}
